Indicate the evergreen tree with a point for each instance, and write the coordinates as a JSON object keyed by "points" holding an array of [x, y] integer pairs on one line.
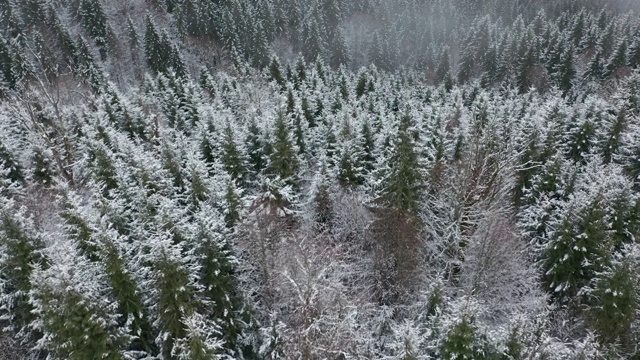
{"points": [[403, 185], [566, 73], [14, 171], [613, 304], [232, 158], [77, 317], [612, 145], [618, 59], [95, 23], [577, 252], [283, 161], [256, 148], [595, 69], [154, 50], [20, 252], [634, 53], [339, 51], [175, 296], [443, 75], [276, 73]]}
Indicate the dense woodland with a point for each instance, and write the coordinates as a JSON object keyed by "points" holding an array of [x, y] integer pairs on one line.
{"points": [[321, 179]]}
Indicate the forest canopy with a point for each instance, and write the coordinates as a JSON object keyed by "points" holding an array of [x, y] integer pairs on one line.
{"points": [[322, 179]]}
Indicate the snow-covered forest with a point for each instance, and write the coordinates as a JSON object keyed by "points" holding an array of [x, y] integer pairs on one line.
{"points": [[319, 179]]}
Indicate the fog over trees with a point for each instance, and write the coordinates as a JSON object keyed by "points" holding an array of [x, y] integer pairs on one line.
{"points": [[321, 179]]}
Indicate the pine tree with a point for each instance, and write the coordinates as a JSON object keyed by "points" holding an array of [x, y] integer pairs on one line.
{"points": [[127, 293], [566, 73], [613, 304], [577, 252], [612, 144], [256, 148], [232, 158], [276, 73], [14, 172], [595, 69], [461, 342], [20, 251], [634, 53], [618, 59], [283, 161], [154, 50], [75, 312], [403, 185], [11, 65], [217, 276], [95, 23], [443, 72], [315, 41], [175, 297], [339, 51]]}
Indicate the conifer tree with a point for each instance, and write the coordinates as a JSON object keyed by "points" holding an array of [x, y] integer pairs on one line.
{"points": [[175, 296], [134, 314], [77, 317], [618, 59], [256, 148], [154, 50], [276, 73], [612, 144], [634, 53], [443, 74], [339, 51], [14, 172], [95, 23], [566, 73], [283, 161], [613, 303], [578, 251], [595, 69], [232, 158], [403, 185], [461, 342], [20, 252]]}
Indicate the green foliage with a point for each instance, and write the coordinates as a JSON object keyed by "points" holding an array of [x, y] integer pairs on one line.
{"points": [[175, 300], [283, 161], [276, 73], [20, 249], [612, 144], [232, 158], [161, 54], [578, 250], [233, 205], [404, 184], [131, 307], [7, 162], [256, 148], [103, 167], [95, 23], [613, 303], [566, 73], [79, 328], [43, 172], [463, 342]]}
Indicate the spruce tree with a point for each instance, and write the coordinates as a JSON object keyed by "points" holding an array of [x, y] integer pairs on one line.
{"points": [[20, 252], [613, 303], [283, 161], [578, 250], [404, 183], [76, 315], [232, 158], [95, 23]]}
